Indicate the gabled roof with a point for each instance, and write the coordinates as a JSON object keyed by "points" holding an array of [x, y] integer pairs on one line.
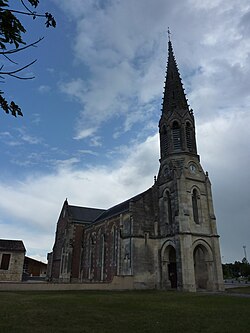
{"points": [[84, 214], [94, 215], [12, 245], [29, 259], [120, 208], [115, 210]]}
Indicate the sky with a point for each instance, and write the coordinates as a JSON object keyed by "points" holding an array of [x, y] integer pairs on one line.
{"points": [[90, 126]]}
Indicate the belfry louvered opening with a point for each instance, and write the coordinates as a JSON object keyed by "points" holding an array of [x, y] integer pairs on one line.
{"points": [[176, 130], [189, 136]]}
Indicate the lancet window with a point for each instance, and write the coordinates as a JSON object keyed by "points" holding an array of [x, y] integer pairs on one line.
{"points": [[195, 206]]}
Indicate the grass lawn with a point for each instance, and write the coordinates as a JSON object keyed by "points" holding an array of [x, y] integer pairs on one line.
{"points": [[134, 311]]}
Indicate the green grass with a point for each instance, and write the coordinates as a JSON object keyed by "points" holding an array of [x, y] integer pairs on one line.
{"points": [[137, 311]]}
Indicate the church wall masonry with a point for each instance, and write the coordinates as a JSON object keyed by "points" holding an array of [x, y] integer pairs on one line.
{"points": [[165, 237]]}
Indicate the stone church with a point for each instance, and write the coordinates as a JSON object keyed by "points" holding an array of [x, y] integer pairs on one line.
{"points": [[165, 237]]}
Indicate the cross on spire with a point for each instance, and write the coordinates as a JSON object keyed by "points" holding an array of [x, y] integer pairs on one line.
{"points": [[169, 34], [174, 96]]}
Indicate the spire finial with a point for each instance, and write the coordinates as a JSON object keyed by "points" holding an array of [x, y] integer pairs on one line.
{"points": [[169, 35]]}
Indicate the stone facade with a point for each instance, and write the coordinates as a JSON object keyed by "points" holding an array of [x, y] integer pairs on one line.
{"points": [[12, 254], [165, 237]]}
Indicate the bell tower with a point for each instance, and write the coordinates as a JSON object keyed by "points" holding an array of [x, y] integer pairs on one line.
{"points": [[177, 126], [190, 253]]}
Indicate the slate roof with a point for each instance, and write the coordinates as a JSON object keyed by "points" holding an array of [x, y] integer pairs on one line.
{"points": [[120, 208], [12, 245], [95, 215], [115, 210], [84, 214]]}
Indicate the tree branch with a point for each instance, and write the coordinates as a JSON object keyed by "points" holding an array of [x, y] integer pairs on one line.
{"points": [[9, 60], [21, 78], [26, 7], [34, 14], [11, 35], [18, 70], [22, 48]]}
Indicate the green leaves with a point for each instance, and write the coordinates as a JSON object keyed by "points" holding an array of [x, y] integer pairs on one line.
{"points": [[50, 21], [11, 107], [34, 3], [11, 34], [10, 29]]}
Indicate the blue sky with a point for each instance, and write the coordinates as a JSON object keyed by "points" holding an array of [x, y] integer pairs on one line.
{"points": [[90, 125]]}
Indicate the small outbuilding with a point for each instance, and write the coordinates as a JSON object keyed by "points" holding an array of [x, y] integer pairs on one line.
{"points": [[34, 268], [12, 253]]}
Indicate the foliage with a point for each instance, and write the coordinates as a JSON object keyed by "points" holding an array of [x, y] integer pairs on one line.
{"points": [[236, 270], [133, 311], [11, 42]]}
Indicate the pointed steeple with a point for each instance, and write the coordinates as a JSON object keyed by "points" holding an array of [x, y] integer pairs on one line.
{"points": [[174, 96], [177, 124]]}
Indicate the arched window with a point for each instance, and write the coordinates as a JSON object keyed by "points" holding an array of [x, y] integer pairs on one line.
{"points": [[164, 130], [91, 258], [170, 218], [114, 245], [102, 255], [176, 130], [195, 206], [189, 136]]}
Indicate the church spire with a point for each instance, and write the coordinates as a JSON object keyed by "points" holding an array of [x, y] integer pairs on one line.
{"points": [[177, 125], [174, 96]]}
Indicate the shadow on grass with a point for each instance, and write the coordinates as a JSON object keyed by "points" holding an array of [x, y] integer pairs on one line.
{"points": [[239, 290], [133, 311]]}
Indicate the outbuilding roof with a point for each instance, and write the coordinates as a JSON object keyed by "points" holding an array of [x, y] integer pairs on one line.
{"points": [[12, 245]]}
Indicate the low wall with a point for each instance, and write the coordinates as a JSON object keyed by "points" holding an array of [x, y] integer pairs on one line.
{"points": [[118, 283]]}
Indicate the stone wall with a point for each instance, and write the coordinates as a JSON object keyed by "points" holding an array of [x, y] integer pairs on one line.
{"points": [[15, 267], [118, 283]]}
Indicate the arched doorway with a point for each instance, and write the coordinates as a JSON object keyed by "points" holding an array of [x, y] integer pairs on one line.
{"points": [[172, 271], [168, 267], [201, 263]]}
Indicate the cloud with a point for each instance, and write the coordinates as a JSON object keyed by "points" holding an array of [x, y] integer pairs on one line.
{"points": [[126, 63], [66, 164], [27, 138], [44, 89], [123, 45], [84, 133], [118, 60], [86, 151], [205, 4], [8, 139], [224, 149], [122, 76], [36, 118], [104, 186], [91, 187], [74, 88]]}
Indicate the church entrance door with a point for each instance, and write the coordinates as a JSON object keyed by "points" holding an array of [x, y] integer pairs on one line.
{"points": [[172, 274], [169, 271], [201, 267]]}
